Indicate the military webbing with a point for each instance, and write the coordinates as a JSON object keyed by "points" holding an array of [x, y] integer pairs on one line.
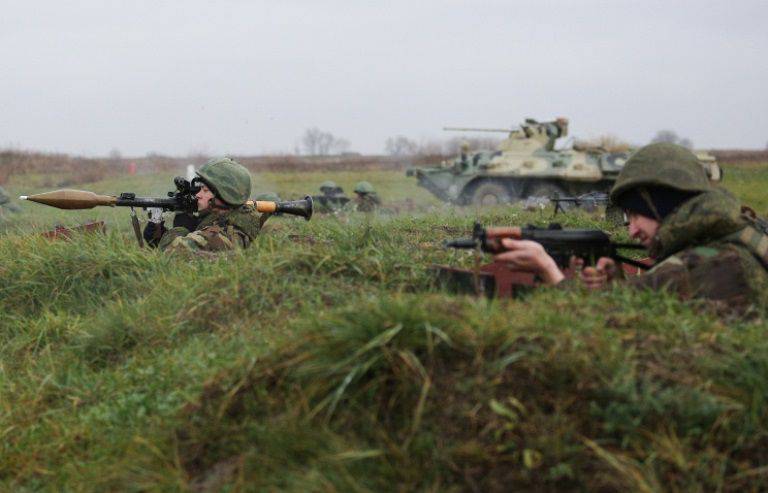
{"points": [[755, 241]]}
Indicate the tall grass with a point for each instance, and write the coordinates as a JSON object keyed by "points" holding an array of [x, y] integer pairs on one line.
{"points": [[324, 358]]}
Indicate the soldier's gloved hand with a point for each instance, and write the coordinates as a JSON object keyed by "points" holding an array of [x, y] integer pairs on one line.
{"points": [[153, 232], [185, 220], [155, 215]]}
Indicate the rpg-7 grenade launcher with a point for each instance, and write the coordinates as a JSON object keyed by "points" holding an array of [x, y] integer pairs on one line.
{"points": [[561, 244], [182, 200]]}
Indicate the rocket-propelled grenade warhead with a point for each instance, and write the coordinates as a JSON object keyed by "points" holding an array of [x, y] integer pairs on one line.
{"points": [[71, 199]]}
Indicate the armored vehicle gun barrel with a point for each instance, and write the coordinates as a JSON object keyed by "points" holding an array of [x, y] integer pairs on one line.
{"points": [[473, 129], [527, 163]]}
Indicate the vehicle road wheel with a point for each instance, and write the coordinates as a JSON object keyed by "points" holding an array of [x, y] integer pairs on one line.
{"points": [[489, 194]]}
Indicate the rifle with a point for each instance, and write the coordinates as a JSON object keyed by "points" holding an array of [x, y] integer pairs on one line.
{"points": [[497, 279], [592, 199], [181, 200], [561, 244]]}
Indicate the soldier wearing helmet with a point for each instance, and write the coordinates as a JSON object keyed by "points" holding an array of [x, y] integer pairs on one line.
{"points": [[329, 188], [463, 162], [366, 199], [703, 244], [331, 199], [223, 222]]}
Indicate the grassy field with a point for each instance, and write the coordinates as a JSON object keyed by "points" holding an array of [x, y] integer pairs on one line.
{"points": [[394, 187], [324, 358]]}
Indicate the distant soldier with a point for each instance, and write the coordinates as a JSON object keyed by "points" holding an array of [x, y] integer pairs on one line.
{"points": [[223, 222], [267, 197], [366, 199], [5, 203], [329, 188], [705, 246], [331, 198], [463, 163]]}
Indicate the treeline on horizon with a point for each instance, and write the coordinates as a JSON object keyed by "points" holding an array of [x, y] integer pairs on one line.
{"points": [[86, 170]]}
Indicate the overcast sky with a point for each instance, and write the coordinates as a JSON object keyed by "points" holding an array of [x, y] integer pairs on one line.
{"points": [[248, 77]]}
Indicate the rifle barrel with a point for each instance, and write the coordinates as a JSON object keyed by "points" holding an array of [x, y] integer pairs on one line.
{"points": [[466, 243]]}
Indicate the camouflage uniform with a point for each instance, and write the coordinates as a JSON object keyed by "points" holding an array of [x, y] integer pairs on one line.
{"points": [[706, 248], [367, 203], [332, 198], [219, 230], [366, 199]]}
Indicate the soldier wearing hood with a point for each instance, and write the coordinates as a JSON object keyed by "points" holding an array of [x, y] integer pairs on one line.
{"points": [[702, 243], [223, 222]]}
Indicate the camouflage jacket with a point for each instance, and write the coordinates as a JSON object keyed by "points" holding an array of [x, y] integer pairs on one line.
{"points": [[707, 249], [366, 203], [217, 231]]}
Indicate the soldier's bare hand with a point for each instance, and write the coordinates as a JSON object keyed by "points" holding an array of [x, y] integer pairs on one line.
{"points": [[576, 264], [529, 256], [608, 265], [600, 275]]}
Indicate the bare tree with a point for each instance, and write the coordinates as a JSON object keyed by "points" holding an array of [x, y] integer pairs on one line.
{"points": [[311, 141], [430, 148], [610, 143], [198, 155], [400, 146], [453, 145], [340, 145], [671, 137], [319, 143], [115, 155]]}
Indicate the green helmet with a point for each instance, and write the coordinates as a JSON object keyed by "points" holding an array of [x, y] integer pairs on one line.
{"points": [[267, 197], [364, 187], [662, 165], [328, 184], [227, 179]]}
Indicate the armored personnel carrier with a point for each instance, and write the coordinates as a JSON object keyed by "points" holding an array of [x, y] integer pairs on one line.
{"points": [[526, 164]]}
